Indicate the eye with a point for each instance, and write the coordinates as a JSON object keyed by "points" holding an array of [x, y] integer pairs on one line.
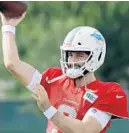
{"points": [[80, 54], [70, 54]]}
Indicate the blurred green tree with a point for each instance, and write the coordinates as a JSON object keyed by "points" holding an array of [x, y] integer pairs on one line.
{"points": [[46, 24]]}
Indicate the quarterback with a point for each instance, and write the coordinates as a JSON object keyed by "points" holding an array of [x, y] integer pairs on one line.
{"points": [[71, 97]]}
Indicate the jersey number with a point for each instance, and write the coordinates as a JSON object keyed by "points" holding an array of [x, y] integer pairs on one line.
{"points": [[67, 111]]}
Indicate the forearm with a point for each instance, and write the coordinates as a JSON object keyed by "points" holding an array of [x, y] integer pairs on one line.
{"points": [[23, 71], [20, 69], [68, 125], [10, 51]]}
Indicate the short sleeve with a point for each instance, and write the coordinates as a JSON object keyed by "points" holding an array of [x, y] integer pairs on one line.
{"points": [[114, 102]]}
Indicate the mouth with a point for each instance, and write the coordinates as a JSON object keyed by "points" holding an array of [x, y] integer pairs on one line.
{"points": [[74, 65]]}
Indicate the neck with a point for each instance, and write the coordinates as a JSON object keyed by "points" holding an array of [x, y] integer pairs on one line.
{"points": [[88, 78]]}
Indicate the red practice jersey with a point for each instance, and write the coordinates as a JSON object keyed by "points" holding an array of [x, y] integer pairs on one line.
{"points": [[75, 102]]}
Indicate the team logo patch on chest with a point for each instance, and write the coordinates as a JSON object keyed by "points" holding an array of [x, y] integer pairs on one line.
{"points": [[89, 96]]}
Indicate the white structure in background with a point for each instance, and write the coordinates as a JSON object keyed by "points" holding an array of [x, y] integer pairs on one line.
{"points": [[4, 86]]}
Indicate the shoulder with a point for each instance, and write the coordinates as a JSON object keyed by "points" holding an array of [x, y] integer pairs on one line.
{"points": [[112, 91], [50, 75], [106, 88], [52, 72], [111, 87], [113, 99]]}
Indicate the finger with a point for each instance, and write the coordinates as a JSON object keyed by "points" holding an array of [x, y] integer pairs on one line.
{"points": [[41, 88], [38, 88], [24, 14], [42, 91], [3, 18], [38, 93], [35, 97], [1, 15]]}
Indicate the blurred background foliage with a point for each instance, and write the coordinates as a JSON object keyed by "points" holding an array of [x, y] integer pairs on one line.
{"points": [[39, 38], [46, 24]]}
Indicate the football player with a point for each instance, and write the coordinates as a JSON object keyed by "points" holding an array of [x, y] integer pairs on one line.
{"points": [[71, 97]]}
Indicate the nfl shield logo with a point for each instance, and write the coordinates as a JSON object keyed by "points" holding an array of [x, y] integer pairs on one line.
{"points": [[91, 97]]}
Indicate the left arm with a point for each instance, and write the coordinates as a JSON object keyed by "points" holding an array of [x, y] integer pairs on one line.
{"points": [[68, 125], [89, 124]]}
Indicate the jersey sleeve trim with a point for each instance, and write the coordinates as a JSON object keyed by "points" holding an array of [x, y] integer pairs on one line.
{"points": [[102, 117], [113, 114], [118, 116]]}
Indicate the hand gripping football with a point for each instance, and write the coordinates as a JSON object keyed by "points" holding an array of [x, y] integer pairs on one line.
{"points": [[13, 9]]}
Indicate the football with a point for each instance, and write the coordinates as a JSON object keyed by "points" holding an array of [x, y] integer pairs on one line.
{"points": [[13, 9]]}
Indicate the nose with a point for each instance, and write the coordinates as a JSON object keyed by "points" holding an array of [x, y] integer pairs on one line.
{"points": [[72, 58]]}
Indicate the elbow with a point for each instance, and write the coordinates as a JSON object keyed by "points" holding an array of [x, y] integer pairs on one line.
{"points": [[9, 65], [84, 129], [78, 130], [89, 130]]}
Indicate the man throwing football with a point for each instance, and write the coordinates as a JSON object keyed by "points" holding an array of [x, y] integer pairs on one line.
{"points": [[71, 97]]}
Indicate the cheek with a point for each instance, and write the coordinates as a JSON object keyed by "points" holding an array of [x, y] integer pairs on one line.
{"points": [[70, 59], [82, 58], [77, 58], [86, 57]]}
